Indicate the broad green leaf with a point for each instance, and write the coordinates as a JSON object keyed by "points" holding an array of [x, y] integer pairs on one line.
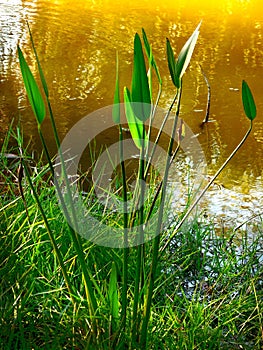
{"points": [[248, 101], [136, 126], [116, 106], [113, 293], [33, 93], [140, 88], [148, 53], [171, 61], [185, 55], [42, 77]]}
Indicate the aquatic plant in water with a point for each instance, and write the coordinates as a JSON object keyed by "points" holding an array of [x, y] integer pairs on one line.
{"points": [[129, 317]]}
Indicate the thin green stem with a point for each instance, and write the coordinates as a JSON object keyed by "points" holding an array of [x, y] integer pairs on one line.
{"points": [[152, 274], [49, 231], [155, 145], [139, 262], [186, 215], [152, 118], [160, 133], [75, 237], [125, 231], [160, 187], [55, 133], [87, 283]]}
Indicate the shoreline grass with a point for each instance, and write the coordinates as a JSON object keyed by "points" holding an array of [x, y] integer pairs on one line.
{"points": [[208, 292]]}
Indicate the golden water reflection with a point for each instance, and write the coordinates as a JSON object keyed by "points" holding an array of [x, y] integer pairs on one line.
{"points": [[77, 42]]}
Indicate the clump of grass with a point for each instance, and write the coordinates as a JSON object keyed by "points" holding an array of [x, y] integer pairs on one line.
{"points": [[207, 295]]}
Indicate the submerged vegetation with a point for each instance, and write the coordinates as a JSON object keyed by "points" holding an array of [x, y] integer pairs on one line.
{"points": [[187, 288]]}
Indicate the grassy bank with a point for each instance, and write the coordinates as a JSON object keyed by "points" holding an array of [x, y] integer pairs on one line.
{"points": [[208, 292]]}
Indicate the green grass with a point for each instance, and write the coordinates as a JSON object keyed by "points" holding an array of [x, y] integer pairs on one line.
{"points": [[208, 293]]}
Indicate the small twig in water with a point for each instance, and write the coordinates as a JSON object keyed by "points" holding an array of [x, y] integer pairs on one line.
{"points": [[208, 96], [246, 221]]}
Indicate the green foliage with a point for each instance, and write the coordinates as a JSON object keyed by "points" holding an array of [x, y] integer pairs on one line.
{"points": [[136, 126], [70, 280], [33, 93], [148, 51], [171, 62], [178, 68], [185, 54], [248, 101], [140, 92], [217, 305], [113, 295]]}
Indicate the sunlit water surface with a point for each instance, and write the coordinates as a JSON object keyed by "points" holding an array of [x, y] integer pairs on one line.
{"points": [[77, 43]]}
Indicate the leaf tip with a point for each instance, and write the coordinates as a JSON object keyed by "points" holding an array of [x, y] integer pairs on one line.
{"points": [[248, 101]]}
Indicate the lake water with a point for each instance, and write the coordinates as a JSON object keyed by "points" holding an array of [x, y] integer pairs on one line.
{"points": [[77, 43]]}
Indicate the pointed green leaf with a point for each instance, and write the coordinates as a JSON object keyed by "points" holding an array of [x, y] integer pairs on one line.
{"points": [[113, 293], [171, 61], [186, 54], [136, 126], [116, 106], [149, 74], [148, 52], [33, 93], [248, 101], [140, 88]]}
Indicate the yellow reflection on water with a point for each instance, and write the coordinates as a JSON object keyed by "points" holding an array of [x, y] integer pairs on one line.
{"points": [[77, 43]]}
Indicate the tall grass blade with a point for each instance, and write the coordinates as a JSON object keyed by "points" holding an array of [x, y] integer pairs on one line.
{"points": [[33, 92], [57, 252], [248, 101], [113, 295], [116, 102], [116, 119], [88, 279]]}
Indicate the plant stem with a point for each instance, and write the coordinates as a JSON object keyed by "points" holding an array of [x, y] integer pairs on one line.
{"points": [[160, 133], [88, 287], [152, 118], [147, 307], [139, 270], [76, 240], [160, 186], [208, 103], [49, 231], [125, 231], [156, 142], [186, 215]]}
